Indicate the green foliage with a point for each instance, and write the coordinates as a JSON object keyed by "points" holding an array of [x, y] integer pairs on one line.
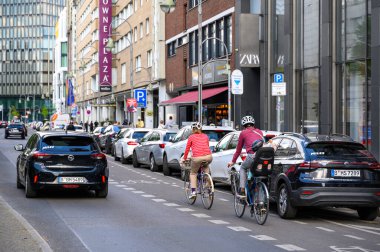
{"points": [[44, 112], [14, 111]]}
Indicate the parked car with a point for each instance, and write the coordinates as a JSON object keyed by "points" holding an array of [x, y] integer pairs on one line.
{"points": [[39, 125], [96, 134], [176, 148], [15, 129], [151, 148], [224, 151], [78, 128], [106, 138], [127, 142], [3, 124], [319, 170], [60, 160]]}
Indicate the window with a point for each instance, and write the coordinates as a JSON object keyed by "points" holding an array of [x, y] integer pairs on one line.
{"points": [[193, 3], [149, 58], [171, 49], [138, 63], [284, 148], [135, 30], [123, 73], [223, 143], [310, 100], [64, 54], [147, 26], [141, 30]]}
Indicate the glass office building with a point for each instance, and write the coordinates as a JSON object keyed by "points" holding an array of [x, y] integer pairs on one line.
{"points": [[27, 33]]}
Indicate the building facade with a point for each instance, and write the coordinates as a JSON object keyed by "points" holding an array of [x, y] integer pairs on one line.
{"points": [[26, 57]]}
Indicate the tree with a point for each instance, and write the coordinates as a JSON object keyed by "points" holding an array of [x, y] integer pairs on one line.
{"points": [[44, 112], [14, 112]]}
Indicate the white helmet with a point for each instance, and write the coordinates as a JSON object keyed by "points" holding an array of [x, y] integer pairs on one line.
{"points": [[247, 120], [196, 125]]}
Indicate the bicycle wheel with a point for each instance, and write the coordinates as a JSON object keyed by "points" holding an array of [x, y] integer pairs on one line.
{"points": [[239, 203], [207, 191], [261, 203], [187, 187]]}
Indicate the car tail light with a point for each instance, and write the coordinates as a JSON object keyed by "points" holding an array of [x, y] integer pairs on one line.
{"points": [[162, 145], [35, 180], [375, 166], [377, 194], [103, 179], [309, 165], [98, 156], [70, 186], [243, 156], [307, 192], [40, 155], [132, 143]]}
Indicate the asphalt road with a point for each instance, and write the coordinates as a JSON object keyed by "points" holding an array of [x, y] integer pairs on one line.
{"points": [[147, 211]]}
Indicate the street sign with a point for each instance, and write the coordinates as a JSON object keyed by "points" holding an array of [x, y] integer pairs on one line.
{"points": [[278, 88], [237, 81], [88, 109], [140, 96], [131, 105], [277, 78], [1, 107]]}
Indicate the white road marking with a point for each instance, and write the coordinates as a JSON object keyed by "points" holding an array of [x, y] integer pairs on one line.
{"points": [[263, 237], [153, 178], [300, 222], [148, 196], [219, 222], [221, 199], [171, 204], [240, 229], [110, 180], [137, 192], [120, 185], [325, 229], [354, 237], [113, 183], [201, 215], [129, 189], [166, 183], [185, 209], [365, 227], [352, 227], [175, 185], [159, 200], [290, 247]]}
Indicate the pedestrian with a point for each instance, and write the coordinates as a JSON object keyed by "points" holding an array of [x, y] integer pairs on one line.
{"points": [[125, 122], [86, 126], [91, 126], [96, 124], [161, 125], [81, 123], [140, 123], [170, 123]]}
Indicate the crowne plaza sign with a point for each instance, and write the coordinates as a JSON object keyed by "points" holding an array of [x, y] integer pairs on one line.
{"points": [[105, 58]]}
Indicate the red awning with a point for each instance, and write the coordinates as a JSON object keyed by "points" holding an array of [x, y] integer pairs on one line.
{"points": [[192, 97]]}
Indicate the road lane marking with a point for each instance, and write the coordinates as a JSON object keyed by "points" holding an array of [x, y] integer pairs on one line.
{"points": [[366, 227], [120, 185], [111, 180], [263, 237], [113, 183], [290, 247], [300, 222], [221, 199], [138, 192], [354, 237], [201, 215], [240, 229], [175, 185], [185, 209], [148, 196], [171, 204], [352, 227], [129, 189], [325, 229], [219, 222], [159, 200]]}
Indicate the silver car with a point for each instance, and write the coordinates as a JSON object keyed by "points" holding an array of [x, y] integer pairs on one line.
{"points": [[127, 142], [151, 148]]}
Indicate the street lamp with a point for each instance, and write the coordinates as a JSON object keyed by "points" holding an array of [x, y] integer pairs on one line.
{"points": [[25, 100]]}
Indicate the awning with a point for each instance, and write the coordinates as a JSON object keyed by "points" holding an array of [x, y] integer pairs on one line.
{"points": [[192, 97]]}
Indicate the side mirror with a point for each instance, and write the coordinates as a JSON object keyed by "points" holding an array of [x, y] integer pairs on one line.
{"points": [[19, 147]]}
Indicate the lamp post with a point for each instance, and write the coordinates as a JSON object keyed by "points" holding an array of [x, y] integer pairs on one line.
{"points": [[25, 100], [111, 45]]}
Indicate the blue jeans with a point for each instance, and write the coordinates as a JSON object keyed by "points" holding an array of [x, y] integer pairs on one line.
{"points": [[245, 166]]}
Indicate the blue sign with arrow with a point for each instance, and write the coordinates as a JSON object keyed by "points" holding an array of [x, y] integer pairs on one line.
{"points": [[140, 96]]}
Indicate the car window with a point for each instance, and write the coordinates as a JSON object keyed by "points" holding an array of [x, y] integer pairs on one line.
{"points": [[154, 137], [223, 144], [169, 135], [31, 144], [215, 135], [108, 129], [178, 137], [233, 142], [138, 135], [68, 143], [146, 137], [283, 148], [186, 134], [116, 129]]}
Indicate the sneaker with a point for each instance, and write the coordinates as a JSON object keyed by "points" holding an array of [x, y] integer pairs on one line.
{"points": [[193, 195]]}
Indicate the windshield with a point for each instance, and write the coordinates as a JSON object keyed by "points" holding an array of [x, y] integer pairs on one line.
{"points": [[168, 136], [215, 135], [68, 143], [15, 126], [138, 135], [338, 151]]}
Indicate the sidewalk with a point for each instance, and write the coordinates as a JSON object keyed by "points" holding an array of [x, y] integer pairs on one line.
{"points": [[16, 234]]}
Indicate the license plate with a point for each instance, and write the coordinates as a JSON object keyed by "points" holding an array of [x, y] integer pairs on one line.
{"points": [[75, 180], [14, 130], [345, 173]]}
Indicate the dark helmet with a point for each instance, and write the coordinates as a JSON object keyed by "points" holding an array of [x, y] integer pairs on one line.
{"points": [[257, 144]]}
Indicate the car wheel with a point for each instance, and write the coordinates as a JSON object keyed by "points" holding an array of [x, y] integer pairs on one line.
{"points": [[135, 163], [29, 191], [165, 167], [114, 156], [6, 136], [22, 136], [102, 193], [18, 183], [122, 159], [284, 207], [368, 213], [153, 166]]}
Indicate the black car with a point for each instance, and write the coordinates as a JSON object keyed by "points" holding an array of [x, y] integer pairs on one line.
{"points": [[320, 170], [61, 160], [16, 129]]}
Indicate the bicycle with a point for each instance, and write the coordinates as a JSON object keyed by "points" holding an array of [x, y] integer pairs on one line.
{"points": [[256, 188], [205, 186]]}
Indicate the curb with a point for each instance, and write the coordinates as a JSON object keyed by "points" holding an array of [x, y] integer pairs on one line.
{"points": [[35, 235]]}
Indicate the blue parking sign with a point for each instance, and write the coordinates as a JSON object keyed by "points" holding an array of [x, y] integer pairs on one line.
{"points": [[140, 96], [277, 78]]}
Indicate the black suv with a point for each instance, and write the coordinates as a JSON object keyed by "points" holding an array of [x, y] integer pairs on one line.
{"points": [[16, 129], [61, 160], [320, 170]]}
